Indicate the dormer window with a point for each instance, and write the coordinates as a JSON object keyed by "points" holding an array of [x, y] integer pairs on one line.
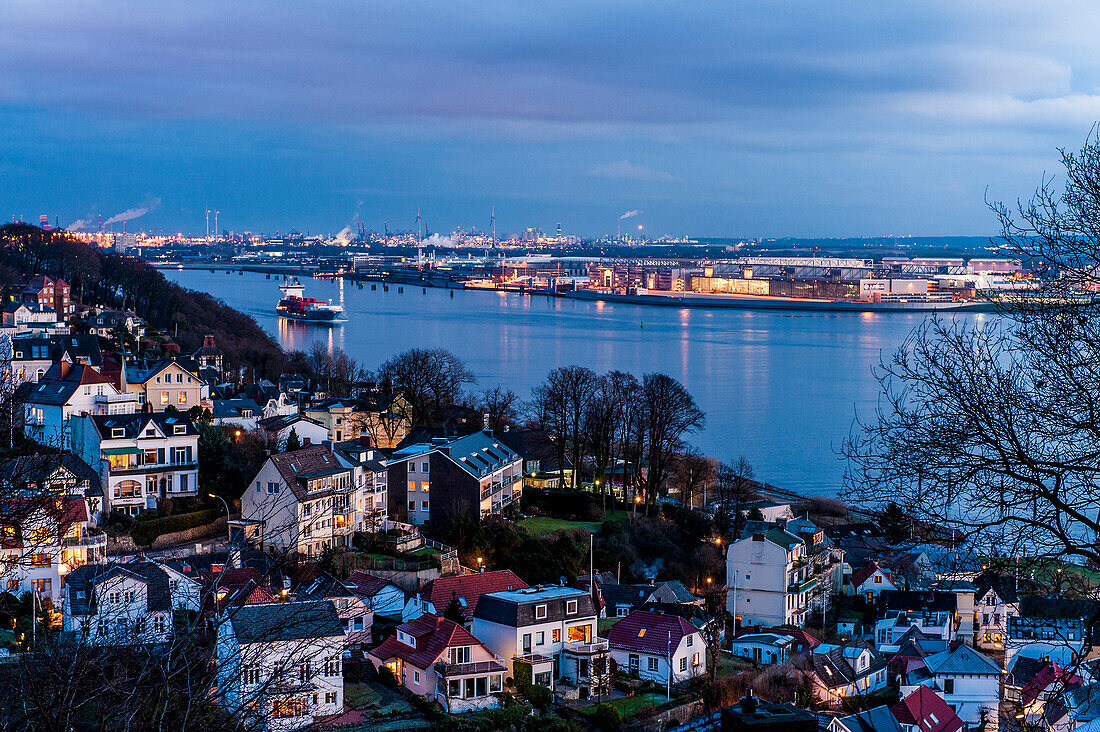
{"points": [[540, 612], [179, 429], [570, 607], [151, 432], [118, 432]]}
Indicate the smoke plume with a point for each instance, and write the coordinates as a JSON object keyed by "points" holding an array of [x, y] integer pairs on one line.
{"points": [[133, 213], [629, 214]]}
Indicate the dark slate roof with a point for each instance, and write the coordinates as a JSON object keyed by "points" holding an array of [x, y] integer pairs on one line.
{"points": [[77, 346], [478, 454], [84, 578], [1056, 608], [280, 422], [879, 719], [236, 407], [135, 424], [286, 621], [918, 600], [652, 633], [534, 444], [53, 389], [624, 594], [834, 666], [962, 660], [38, 468], [517, 608], [323, 587], [1003, 584]]}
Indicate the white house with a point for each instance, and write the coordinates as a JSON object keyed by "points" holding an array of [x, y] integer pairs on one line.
{"points": [[552, 628], [764, 648], [995, 601], [279, 664], [68, 390], [42, 539], [969, 681], [871, 580], [305, 500], [896, 623], [279, 427], [653, 645], [836, 672], [123, 604], [769, 579], [369, 475], [383, 597], [141, 458]]}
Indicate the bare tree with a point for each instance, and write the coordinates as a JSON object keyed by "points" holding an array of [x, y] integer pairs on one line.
{"points": [[561, 402], [734, 489], [428, 379], [500, 404], [691, 470], [603, 420], [669, 412]]}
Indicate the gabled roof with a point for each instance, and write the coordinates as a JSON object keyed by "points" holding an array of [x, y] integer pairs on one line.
{"points": [[231, 588], [1049, 675], [478, 454], [298, 466], [135, 424], [928, 711], [81, 582], [433, 634], [323, 587], [878, 719], [469, 588], [961, 660], [833, 664], [1004, 585], [279, 422], [367, 585], [286, 621], [865, 572], [55, 389], [40, 468], [139, 375], [646, 632]]}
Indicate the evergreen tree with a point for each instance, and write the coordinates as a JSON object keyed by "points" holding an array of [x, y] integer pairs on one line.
{"points": [[896, 525], [454, 611], [292, 441]]}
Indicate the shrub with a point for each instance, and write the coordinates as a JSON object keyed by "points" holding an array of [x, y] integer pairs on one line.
{"points": [[540, 696], [386, 676], [607, 716]]}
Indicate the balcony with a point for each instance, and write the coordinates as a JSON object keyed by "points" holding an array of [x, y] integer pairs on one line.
{"points": [[599, 645], [154, 468], [803, 586], [93, 541], [496, 665]]}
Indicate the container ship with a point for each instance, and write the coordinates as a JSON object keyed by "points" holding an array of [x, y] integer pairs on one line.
{"points": [[296, 307]]}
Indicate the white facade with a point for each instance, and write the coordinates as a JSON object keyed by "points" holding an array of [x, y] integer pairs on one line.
{"points": [[991, 614], [689, 659], [768, 579], [141, 459], [50, 423]]}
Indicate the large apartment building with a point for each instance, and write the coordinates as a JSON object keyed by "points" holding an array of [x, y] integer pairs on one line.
{"points": [[475, 475]]}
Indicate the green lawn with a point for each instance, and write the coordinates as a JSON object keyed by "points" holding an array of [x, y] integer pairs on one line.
{"points": [[373, 695], [543, 525], [604, 624], [629, 705]]}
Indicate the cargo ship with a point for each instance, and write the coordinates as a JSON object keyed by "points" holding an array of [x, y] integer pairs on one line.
{"points": [[296, 307]]}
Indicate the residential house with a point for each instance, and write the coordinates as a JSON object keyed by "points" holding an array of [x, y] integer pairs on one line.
{"points": [[124, 604], [839, 671], [41, 539], [141, 459], [280, 664], [654, 645], [436, 595], [353, 611], [170, 382], [49, 293], [932, 623], [764, 648], [103, 324], [541, 458], [340, 417], [473, 475], [384, 598], [969, 681], [923, 710], [1036, 688], [768, 578], [871, 579], [440, 660], [305, 501], [278, 428], [996, 599], [877, 719], [209, 357], [370, 476], [243, 413], [33, 354], [622, 599], [66, 391], [1050, 627], [225, 588], [550, 628], [54, 474], [22, 317]]}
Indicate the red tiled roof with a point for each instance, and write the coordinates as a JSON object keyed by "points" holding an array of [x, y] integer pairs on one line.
{"points": [[865, 573], [469, 587], [309, 460], [921, 707], [628, 635], [434, 635], [1050, 674], [367, 584]]}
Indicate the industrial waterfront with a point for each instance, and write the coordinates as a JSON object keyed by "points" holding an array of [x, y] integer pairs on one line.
{"points": [[782, 388]]}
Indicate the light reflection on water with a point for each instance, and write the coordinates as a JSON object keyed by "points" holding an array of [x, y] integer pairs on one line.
{"points": [[781, 388]]}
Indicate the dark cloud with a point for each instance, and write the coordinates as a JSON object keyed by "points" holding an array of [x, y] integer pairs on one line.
{"points": [[445, 99]]}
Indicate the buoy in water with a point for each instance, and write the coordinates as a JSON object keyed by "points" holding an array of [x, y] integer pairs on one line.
{"points": [[423, 290], [452, 293], [642, 325], [400, 289]]}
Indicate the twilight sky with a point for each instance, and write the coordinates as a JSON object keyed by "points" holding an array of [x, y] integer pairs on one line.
{"points": [[733, 118]]}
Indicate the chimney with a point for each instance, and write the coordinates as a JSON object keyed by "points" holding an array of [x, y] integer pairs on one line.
{"points": [[748, 703], [63, 367]]}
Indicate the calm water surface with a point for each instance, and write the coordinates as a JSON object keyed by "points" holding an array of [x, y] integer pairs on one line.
{"points": [[781, 388]]}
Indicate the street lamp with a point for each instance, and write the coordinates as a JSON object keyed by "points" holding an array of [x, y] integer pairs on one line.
{"points": [[480, 564], [228, 533]]}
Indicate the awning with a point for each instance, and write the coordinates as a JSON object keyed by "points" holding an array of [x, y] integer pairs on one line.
{"points": [[122, 451]]}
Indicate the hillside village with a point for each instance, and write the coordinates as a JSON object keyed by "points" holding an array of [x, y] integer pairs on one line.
{"points": [[324, 548]]}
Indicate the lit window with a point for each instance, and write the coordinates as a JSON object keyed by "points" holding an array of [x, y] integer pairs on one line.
{"points": [[164, 397]]}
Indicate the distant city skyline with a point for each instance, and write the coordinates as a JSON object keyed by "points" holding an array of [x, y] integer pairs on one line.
{"points": [[755, 120]]}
